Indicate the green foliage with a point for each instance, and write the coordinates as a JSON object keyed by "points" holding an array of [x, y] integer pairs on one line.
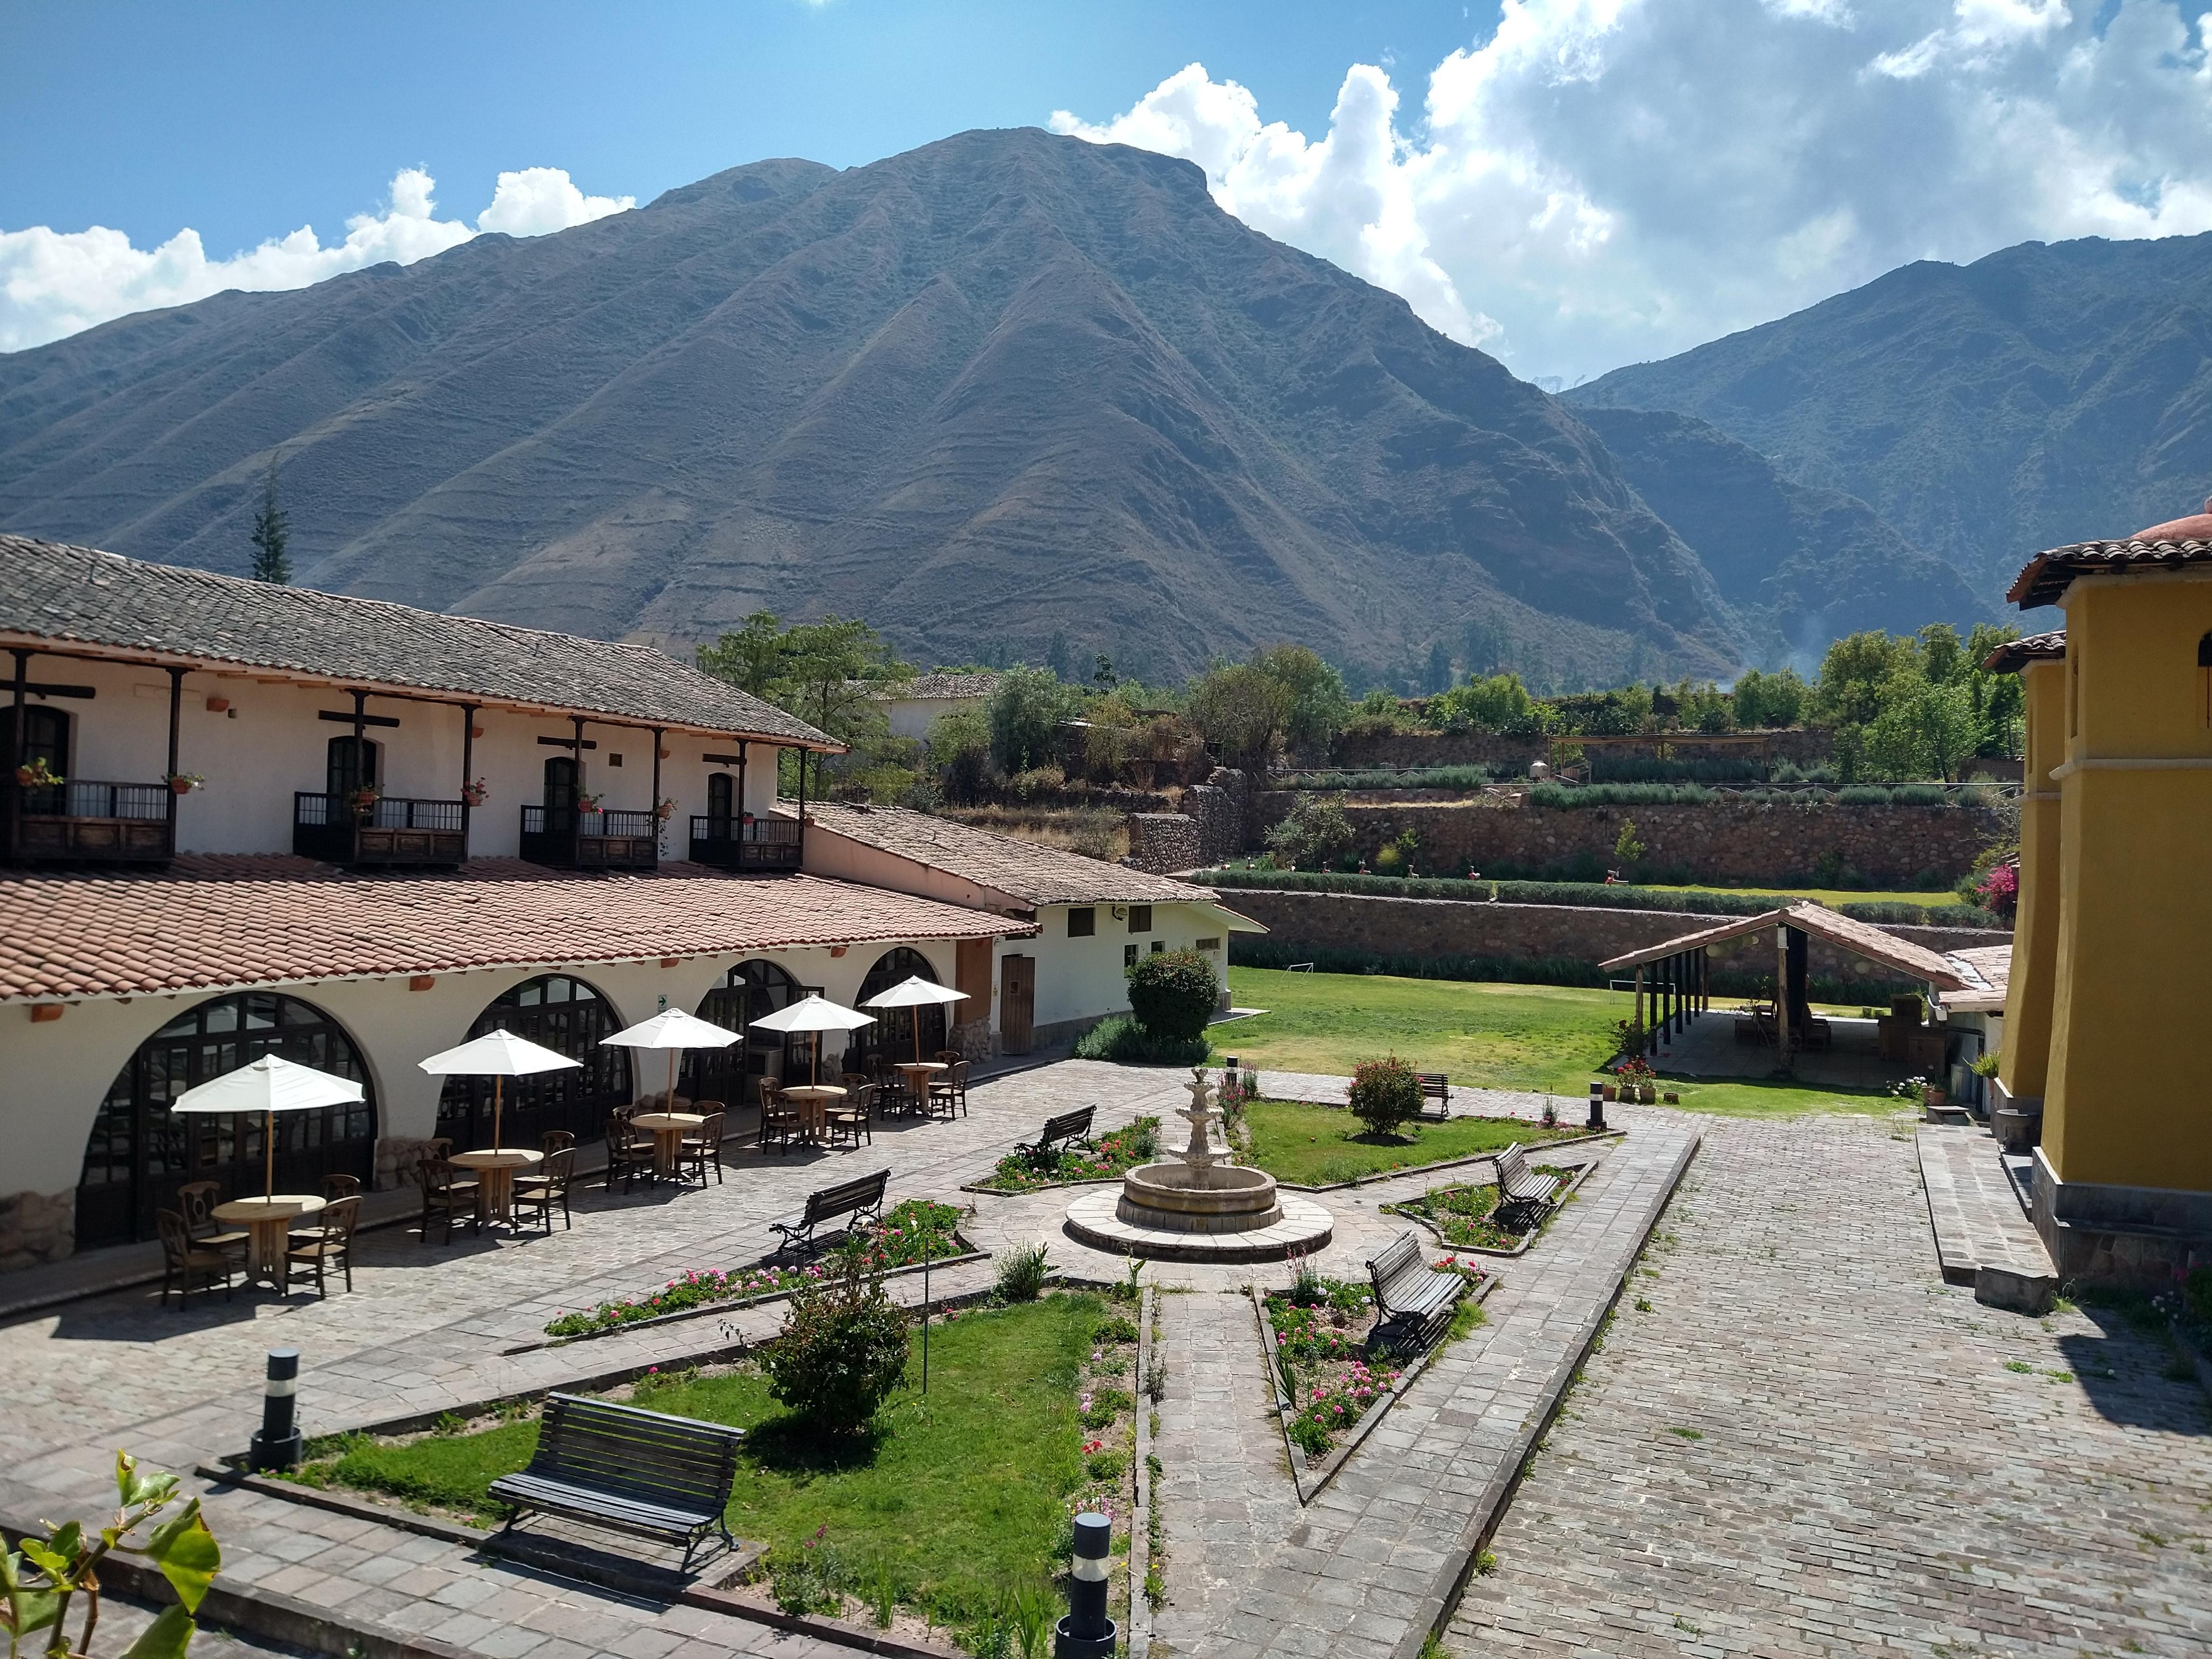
{"points": [[1418, 777], [1626, 847], [1315, 833], [1109, 1156], [1029, 716], [42, 1575], [842, 1348], [959, 749], [1318, 707], [1384, 1093], [1377, 714], [1173, 994], [1498, 703], [1022, 1272], [827, 673], [1120, 1039], [271, 534], [1769, 700], [1241, 711]]}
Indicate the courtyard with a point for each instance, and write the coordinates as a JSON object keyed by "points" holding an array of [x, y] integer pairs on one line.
{"points": [[1790, 1437]]}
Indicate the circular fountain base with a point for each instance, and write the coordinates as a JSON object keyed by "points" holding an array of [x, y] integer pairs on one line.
{"points": [[1175, 1199], [1096, 1220]]}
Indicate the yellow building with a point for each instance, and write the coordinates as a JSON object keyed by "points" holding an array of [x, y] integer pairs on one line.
{"points": [[2102, 1017]]}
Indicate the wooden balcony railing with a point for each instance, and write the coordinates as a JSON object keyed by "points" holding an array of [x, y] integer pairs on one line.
{"points": [[396, 829], [763, 845], [89, 821], [591, 841]]}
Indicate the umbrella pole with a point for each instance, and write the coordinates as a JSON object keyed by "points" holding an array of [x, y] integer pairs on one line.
{"points": [[268, 1151], [494, 1110], [671, 1079]]}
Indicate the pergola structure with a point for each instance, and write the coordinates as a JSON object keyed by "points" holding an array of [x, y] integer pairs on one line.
{"points": [[1674, 977]]}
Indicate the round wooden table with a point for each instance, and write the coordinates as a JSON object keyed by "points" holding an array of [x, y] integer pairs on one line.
{"points": [[918, 1073], [814, 1100], [267, 1225], [667, 1130], [495, 1167]]}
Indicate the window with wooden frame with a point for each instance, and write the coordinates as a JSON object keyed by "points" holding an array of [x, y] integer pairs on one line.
{"points": [[1082, 922]]}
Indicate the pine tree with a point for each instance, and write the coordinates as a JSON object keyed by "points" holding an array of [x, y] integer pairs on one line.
{"points": [[272, 530]]}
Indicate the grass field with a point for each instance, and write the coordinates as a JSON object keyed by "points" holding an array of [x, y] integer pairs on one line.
{"points": [[957, 1496], [1543, 1038], [1313, 1146]]}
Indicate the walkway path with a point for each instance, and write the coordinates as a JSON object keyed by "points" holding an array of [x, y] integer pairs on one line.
{"points": [[1973, 1206], [1810, 1445]]}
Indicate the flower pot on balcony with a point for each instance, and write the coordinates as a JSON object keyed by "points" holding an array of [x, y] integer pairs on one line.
{"points": [[1611, 1091]]}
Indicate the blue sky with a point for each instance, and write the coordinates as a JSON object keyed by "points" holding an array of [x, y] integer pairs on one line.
{"points": [[1569, 185]]}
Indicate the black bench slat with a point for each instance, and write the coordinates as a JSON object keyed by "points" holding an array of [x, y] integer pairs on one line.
{"points": [[627, 1469], [1408, 1290], [1072, 1128], [1523, 1196], [859, 1198]]}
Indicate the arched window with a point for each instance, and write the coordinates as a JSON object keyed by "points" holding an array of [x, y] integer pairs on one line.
{"points": [[138, 1154], [560, 1013], [892, 1037], [747, 992]]}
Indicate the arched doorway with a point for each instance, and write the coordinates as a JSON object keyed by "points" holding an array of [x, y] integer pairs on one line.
{"points": [[569, 1017], [892, 1037], [138, 1154], [747, 992]]}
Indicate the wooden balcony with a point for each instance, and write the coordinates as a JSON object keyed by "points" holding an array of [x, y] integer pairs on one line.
{"points": [[86, 820], [760, 846], [399, 832], [591, 841]]}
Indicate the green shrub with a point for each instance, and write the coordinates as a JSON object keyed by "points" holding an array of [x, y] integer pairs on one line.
{"points": [[1384, 1094], [1309, 1436], [1124, 1042], [1314, 832], [1106, 1465], [1022, 1272], [1174, 994], [1106, 1405], [843, 1348]]}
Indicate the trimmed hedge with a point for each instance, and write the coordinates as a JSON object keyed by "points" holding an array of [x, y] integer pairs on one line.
{"points": [[1586, 894], [1567, 797], [1419, 777]]}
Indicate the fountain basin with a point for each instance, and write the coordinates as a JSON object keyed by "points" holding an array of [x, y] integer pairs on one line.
{"points": [[1179, 1198]]}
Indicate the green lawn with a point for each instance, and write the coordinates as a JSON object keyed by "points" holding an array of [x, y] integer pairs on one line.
{"points": [[1536, 1037], [1313, 1146], [957, 1497]]}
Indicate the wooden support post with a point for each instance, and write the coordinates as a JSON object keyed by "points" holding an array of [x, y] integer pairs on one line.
{"points": [[176, 709], [468, 764], [576, 827], [1644, 1042], [1782, 1032]]}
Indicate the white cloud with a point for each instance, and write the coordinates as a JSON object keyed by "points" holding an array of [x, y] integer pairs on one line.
{"points": [[54, 283], [1606, 181]]}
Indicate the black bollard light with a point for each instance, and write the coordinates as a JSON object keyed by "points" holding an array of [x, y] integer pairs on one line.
{"points": [[1597, 1106], [1087, 1632], [277, 1444]]}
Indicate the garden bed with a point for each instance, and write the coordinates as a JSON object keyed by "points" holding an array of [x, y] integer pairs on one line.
{"points": [[1303, 1144], [1462, 1218], [916, 1228], [1112, 1156], [952, 1512]]}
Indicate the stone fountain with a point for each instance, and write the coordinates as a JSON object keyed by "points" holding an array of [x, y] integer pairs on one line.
{"points": [[1198, 1205]]}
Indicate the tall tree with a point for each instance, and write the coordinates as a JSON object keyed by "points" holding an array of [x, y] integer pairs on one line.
{"points": [[272, 531]]}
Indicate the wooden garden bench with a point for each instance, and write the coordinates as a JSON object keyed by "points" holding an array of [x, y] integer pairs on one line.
{"points": [[628, 1470], [1436, 1086], [862, 1199], [1523, 1196], [1068, 1129], [1408, 1292]]}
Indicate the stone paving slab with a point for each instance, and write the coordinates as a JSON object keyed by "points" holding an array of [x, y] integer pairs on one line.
{"points": [[1973, 1207]]}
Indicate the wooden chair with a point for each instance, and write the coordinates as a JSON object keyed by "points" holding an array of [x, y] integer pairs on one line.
{"points": [[779, 1118], [445, 1195], [852, 1117], [195, 1202], [556, 1140], [441, 1147], [949, 1089], [891, 1093], [949, 1056], [701, 1149], [628, 1154], [184, 1259], [336, 1187], [548, 1185], [332, 1246]]}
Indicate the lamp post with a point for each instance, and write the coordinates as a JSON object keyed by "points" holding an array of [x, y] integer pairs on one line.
{"points": [[276, 1442], [1087, 1632]]}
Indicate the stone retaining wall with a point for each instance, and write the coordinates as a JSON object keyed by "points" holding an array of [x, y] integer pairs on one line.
{"points": [[1732, 842], [1163, 841], [36, 1228], [1437, 929], [396, 1158], [1472, 748]]}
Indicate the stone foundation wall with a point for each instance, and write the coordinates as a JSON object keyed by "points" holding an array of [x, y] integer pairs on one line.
{"points": [[1472, 748], [1163, 841], [1732, 842], [36, 1228], [396, 1158], [1439, 928]]}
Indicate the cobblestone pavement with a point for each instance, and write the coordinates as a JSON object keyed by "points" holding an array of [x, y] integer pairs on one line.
{"points": [[1810, 1445]]}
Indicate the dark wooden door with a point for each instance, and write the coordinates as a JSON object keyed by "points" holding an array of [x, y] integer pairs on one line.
{"points": [[1016, 1004]]}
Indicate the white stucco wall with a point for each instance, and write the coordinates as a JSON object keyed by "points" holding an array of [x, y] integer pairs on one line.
{"points": [[57, 1071], [271, 742], [911, 716], [1083, 978]]}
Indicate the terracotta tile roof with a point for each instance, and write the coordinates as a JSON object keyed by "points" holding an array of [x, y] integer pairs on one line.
{"points": [[1024, 871], [1861, 938], [2047, 575], [2015, 655], [52, 591], [1987, 970], [212, 921]]}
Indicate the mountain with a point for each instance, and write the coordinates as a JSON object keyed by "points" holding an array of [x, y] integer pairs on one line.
{"points": [[2049, 394], [1801, 562], [1003, 386]]}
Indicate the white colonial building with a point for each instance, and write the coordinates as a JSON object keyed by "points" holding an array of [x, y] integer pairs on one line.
{"points": [[245, 818]]}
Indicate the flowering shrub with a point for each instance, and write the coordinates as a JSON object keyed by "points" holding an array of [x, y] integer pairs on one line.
{"points": [[1384, 1094], [1110, 1156], [1464, 1216], [1309, 1334], [1633, 1073], [916, 1227], [843, 1349], [1999, 888], [1341, 1403]]}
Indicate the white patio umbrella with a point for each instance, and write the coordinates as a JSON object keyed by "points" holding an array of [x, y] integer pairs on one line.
{"points": [[814, 1013], [915, 993], [496, 1054], [269, 1085], [672, 1030]]}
